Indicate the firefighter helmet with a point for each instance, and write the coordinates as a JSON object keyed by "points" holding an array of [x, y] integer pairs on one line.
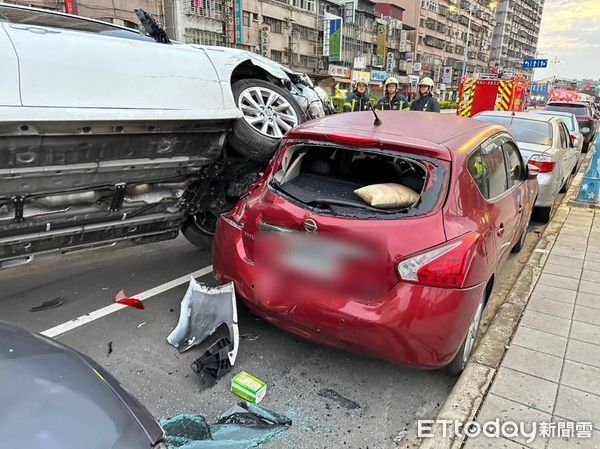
{"points": [[426, 82], [391, 80]]}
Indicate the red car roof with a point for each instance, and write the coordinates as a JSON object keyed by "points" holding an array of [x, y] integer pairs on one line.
{"points": [[439, 135]]}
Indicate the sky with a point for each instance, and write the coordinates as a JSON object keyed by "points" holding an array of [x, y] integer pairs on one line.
{"points": [[570, 31]]}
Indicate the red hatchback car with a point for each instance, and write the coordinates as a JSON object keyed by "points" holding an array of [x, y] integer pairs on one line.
{"points": [[406, 283]]}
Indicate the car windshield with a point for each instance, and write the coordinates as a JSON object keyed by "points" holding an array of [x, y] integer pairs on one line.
{"points": [[578, 109], [524, 130], [48, 19]]}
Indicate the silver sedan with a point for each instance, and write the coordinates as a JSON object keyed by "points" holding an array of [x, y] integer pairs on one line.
{"points": [[544, 141]]}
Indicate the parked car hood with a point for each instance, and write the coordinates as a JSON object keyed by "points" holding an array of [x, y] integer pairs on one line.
{"points": [[56, 398]]}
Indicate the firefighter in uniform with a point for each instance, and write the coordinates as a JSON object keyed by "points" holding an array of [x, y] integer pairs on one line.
{"points": [[358, 100], [425, 102], [392, 99]]}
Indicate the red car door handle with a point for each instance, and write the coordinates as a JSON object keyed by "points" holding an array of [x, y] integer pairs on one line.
{"points": [[501, 230]]}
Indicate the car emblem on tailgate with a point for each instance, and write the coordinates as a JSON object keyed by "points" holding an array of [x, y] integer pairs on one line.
{"points": [[310, 225]]}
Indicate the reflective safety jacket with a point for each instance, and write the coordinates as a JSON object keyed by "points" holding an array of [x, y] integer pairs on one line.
{"points": [[396, 103], [425, 103], [357, 102]]}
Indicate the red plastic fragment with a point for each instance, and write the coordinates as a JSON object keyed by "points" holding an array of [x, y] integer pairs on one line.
{"points": [[122, 298]]}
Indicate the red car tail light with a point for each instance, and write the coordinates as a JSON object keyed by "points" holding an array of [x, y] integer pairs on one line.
{"points": [[444, 266], [351, 139], [544, 162], [573, 138]]}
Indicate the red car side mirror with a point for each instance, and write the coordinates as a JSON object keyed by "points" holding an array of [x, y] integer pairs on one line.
{"points": [[533, 171]]}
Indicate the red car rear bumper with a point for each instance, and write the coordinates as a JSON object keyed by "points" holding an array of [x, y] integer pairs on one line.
{"points": [[411, 325]]}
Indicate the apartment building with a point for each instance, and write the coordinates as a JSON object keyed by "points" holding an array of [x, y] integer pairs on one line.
{"points": [[516, 34], [292, 31], [442, 37]]}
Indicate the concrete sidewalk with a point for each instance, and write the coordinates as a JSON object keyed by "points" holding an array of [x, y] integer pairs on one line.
{"points": [[551, 371]]}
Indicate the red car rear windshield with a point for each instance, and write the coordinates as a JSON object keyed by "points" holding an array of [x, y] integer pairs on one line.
{"points": [[326, 178]]}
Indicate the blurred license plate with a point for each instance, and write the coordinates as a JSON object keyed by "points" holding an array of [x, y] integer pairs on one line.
{"points": [[309, 254]]}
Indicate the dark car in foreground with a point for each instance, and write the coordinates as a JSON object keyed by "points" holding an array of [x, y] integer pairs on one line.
{"points": [[53, 397], [404, 281]]}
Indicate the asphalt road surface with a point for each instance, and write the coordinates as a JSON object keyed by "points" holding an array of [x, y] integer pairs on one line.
{"points": [[335, 399]]}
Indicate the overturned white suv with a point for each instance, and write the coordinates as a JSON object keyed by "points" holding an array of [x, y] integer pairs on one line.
{"points": [[107, 135]]}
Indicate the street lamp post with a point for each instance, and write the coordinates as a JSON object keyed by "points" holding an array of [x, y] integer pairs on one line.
{"points": [[466, 52]]}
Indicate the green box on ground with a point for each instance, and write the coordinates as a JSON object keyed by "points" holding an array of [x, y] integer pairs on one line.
{"points": [[248, 387]]}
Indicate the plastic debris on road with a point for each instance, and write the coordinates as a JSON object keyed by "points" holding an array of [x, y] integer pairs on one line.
{"points": [[46, 305], [203, 310], [214, 363], [242, 426], [122, 298]]}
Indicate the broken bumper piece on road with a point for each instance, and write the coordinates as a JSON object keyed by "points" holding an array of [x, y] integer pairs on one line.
{"points": [[203, 310]]}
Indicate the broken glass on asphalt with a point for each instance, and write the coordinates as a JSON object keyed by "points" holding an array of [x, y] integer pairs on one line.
{"points": [[203, 310], [242, 426]]}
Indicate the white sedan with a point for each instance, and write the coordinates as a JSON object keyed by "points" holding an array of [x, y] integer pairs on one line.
{"points": [[545, 142], [570, 120], [109, 135]]}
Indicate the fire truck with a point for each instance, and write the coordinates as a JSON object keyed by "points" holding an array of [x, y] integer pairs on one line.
{"points": [[490, 93]]}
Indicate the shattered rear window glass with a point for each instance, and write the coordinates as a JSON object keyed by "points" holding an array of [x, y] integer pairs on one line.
{"points": [[327, 178]]}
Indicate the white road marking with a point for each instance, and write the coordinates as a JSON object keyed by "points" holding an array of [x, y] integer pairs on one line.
{"points": [[104, 311]]}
